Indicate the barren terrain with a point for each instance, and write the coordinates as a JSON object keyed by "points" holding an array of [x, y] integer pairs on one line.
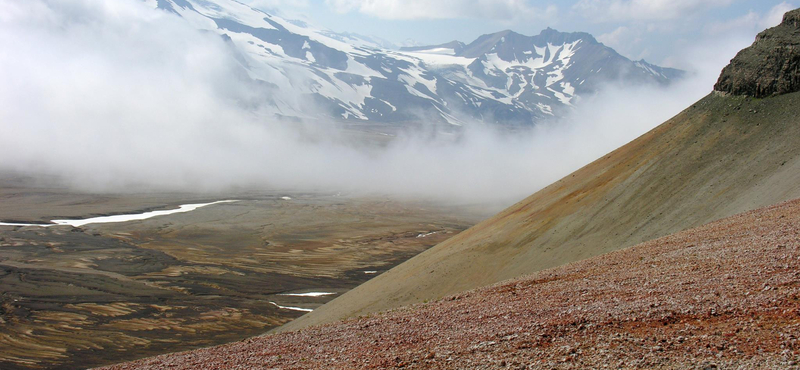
{"points": [[724, 295], [721, 156], [103, 293]]}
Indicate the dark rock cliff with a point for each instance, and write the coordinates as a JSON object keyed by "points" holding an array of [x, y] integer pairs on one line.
{"points": [[771, 66]]}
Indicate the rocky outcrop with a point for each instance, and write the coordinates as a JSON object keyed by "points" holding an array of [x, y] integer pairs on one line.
{"points": [[771, 66]]}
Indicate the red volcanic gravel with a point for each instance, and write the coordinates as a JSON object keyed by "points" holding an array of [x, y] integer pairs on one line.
{"points": [[724, 295]]}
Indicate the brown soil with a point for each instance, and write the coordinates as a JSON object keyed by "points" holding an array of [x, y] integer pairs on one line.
{"points": [[724, 295], [72, 298], [721, 156]]}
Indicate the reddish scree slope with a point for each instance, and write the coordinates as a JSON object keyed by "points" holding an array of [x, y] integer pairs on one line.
{"points": [[726, 294]]}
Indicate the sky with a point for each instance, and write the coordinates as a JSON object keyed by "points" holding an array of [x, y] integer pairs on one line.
{"points": [[97, 97], [655, 30]]}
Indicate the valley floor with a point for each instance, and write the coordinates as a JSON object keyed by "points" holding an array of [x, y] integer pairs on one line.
{"points": [[723, 295], [74, 297]]}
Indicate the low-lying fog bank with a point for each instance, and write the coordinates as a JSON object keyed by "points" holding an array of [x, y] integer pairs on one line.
{"points": [[97, 97]]}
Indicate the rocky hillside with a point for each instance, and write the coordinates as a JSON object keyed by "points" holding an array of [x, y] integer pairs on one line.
{"points": [[721, 156], [771, 66], [508, 78], [725, 295]]}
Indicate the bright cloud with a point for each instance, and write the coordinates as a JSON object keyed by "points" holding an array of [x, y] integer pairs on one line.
{"points": [[619, 37], [444, 9], [281, 5], [625, 40], [642, 10], [94, 93], [751, 22], [775, 15]]}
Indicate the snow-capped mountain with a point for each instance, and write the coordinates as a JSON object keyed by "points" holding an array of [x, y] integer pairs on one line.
{"points": [[451, 48], [503, 77]]}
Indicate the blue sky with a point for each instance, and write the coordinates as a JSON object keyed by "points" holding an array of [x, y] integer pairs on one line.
{"points": [[656, 30]]}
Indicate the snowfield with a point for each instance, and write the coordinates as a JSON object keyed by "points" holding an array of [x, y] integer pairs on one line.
{"points": [[317, 73]]}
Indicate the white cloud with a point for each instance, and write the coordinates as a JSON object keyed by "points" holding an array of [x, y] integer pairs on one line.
{"points": [[289, 9], [775, 15], [95, 94], [444, 9], [751, 22], [642, 10], [278, 3], [113, 91], [626, 41], [272, 5], [614, 37], [618, 38]]}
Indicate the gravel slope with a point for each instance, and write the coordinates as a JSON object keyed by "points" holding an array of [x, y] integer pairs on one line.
{"points": [[723, 295], [721, 156], [725, 154]]}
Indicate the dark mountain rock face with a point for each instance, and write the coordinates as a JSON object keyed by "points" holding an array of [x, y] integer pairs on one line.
{"points": [[771, 66]]}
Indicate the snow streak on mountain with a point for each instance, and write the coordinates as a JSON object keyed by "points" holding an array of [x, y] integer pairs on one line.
{"points": [[502, 77]]}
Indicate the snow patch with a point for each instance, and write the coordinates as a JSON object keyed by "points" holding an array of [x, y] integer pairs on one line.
{"points": [[123, 218], [649, 69], [433, 59], [410, 84], [291, 308], [440, 51], [234, 10], [309, 294], [546, 109], [394, 109]]}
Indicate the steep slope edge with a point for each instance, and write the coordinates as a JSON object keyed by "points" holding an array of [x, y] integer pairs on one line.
{"points": [[770, 66], [724, 295], [723, 155]]}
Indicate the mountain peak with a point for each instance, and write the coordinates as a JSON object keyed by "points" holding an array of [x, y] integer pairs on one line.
{"points": [[771, 66], [792, 18], [554, 36], [488, 42], [510, 77]]}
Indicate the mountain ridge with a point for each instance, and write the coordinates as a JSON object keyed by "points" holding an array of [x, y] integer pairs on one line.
{"points": [[723, 155], [343, 77], [485, 43]]}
